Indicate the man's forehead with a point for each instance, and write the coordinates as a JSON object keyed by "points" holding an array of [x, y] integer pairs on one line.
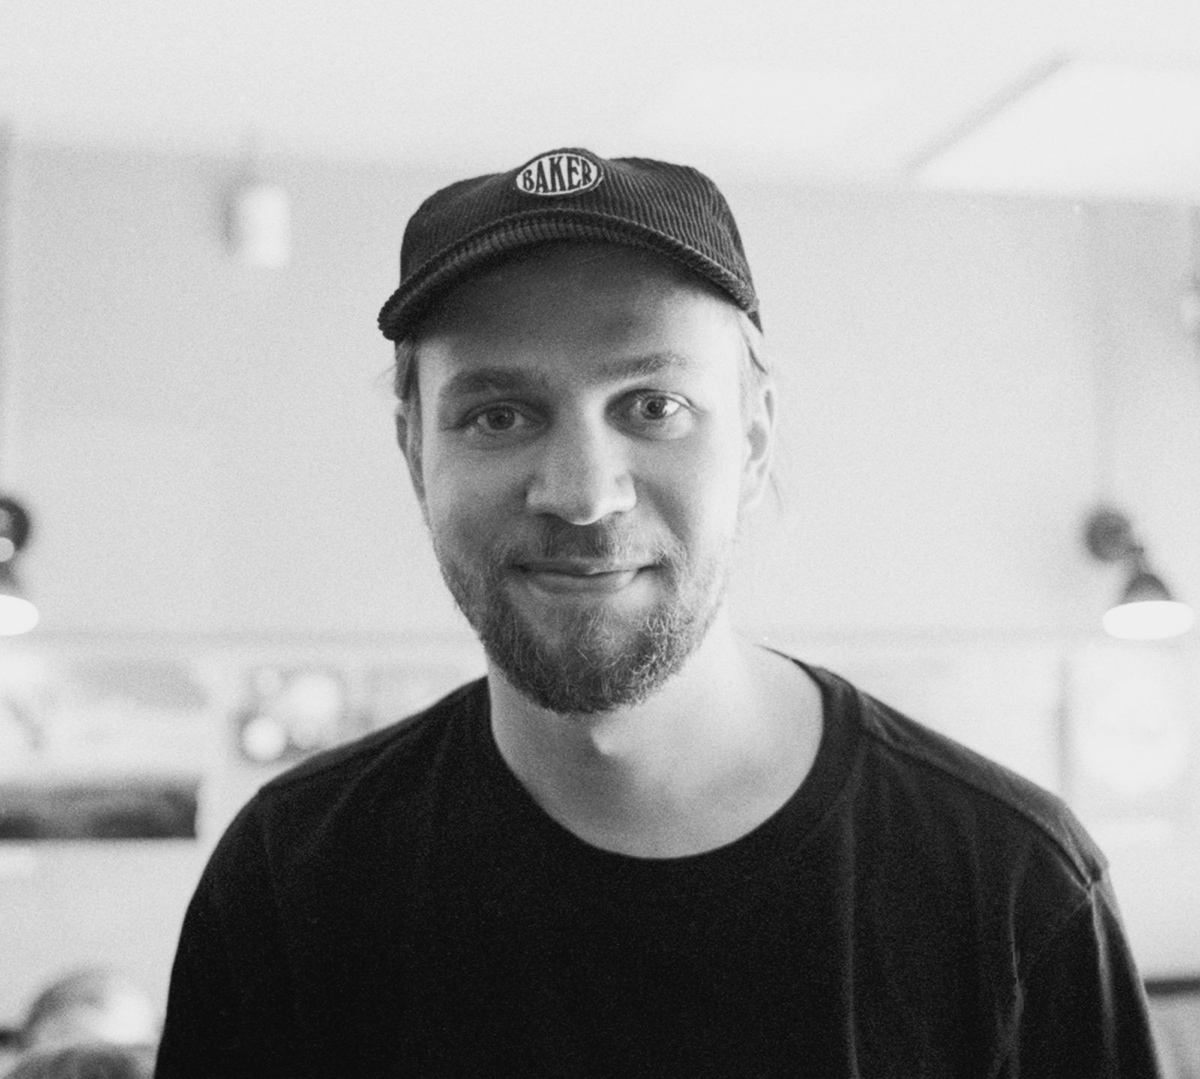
{"points": [[466, 376]]}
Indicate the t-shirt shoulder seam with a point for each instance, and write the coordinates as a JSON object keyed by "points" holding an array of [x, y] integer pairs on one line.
{"points": [[347, 756], [1088, 876]]}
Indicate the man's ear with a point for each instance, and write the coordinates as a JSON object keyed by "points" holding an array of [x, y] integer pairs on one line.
{"points": [[408, 437], [759, 444]]}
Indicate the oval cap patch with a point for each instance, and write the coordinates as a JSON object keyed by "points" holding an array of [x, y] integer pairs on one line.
{"points": [[559, 174]]}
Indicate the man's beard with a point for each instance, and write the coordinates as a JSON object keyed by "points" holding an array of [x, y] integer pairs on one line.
{"points": [[597, 659]]}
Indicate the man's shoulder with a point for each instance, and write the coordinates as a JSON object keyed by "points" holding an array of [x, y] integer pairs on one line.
{"points": [[967, 790], [387, 753], [334, 814]]}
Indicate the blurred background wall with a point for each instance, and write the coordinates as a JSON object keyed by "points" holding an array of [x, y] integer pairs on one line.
{"points": [[966, 369]]}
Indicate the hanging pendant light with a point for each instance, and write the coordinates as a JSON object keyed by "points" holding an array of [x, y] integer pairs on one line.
{"points": [[17, 613], [1146, 610]]}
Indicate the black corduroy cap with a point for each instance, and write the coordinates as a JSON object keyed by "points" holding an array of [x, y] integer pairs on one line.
{"points": [[568, 195]]}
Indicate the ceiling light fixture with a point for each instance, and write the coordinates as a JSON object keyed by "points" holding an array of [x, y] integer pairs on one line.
{"points": [[17, 613], [260, 224], [1146, 610], [258, 216]]}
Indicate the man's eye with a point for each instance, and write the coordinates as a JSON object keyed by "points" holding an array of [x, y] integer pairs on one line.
{"points": [[661, 412], [496, 420], [656, 415], [656, 407]]}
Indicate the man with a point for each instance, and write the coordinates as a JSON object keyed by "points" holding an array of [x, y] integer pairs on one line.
{"points": [[641, 846]]}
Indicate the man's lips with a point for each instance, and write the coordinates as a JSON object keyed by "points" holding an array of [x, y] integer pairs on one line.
{"points": [[580, 576]]}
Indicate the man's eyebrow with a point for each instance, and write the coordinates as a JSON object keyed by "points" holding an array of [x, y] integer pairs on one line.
{"points": [[511, 379], [651, 363], [487, 380]]}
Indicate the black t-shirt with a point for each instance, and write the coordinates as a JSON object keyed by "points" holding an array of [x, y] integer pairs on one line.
{"points": [[401, 907]]}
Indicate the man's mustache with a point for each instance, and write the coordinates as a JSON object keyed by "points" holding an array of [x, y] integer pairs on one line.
{"points": [[602, 541]]}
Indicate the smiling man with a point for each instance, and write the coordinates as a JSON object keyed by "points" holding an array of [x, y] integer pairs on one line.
{"points": [[641, 846]]}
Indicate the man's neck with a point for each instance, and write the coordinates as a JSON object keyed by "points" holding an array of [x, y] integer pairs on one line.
{"points": [[705, 760]]}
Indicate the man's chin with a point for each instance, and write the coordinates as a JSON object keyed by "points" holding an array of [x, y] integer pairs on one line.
{"points": [[602, 665], [580, 664], [584, 656], [584, 692]]}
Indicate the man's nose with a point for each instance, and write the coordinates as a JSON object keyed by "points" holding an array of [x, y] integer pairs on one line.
{"points": [[582, 476]]}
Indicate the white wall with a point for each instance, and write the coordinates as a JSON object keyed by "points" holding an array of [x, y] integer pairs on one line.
{"points": [[207, 449], [939, 447]]}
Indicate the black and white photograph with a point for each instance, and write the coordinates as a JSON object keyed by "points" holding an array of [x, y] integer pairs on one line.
{"points": [[599, 541]]}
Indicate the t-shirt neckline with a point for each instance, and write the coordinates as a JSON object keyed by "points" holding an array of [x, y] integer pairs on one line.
{"points": [[790, 827]]}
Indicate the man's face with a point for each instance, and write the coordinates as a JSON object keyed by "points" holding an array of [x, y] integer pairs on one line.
{"points": [[584, 460]]}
